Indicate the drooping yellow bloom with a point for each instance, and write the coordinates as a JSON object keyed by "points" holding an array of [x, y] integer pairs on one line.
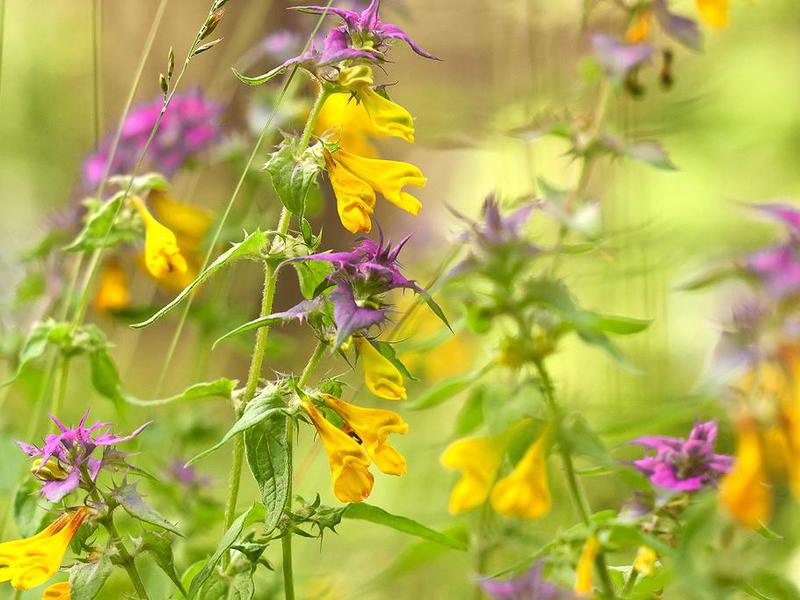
{"points": [[29, 562], [388, 118], [355, 181], [349, 463], [645, 561], [112, 290], [162, 256], [373, 427], [714, 12], [57, 591], [524, 493], [479, 459], [745, 491], [381, 377], [348, 125], [640, 27], [583, 572]]}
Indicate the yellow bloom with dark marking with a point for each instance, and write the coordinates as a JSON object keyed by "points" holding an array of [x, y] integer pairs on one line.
{"points": [[524, 493], [349, 463], [714, 12], [57, 591], [745, 491], [479, 460], [29, 562], [162, 256], [113, 292], [388, 118], [346, 123], [373, 427], [583, 572], [381, 377], [355, 181]]}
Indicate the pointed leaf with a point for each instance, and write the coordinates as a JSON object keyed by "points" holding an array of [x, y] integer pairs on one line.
{"points": [[128, 498], [367, 512], [221, 388], [259, 79], [87, 579], [270, 461]]}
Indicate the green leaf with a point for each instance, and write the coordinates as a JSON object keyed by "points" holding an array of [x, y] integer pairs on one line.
{"points": [[270, 460], [612, 323], [253, 514], [250, 247], [259, 79], [33, 347], [242, 587], [269, 402], [292, 174], [128, 498], [103, 228], [141, 184], [387, 350], [27, 515], [447, 388], [367, 512], [87, 579], [105, 377], [311, 273], [437, 310], [159, 545], [471, 415], [222, 388], [583, 441]]}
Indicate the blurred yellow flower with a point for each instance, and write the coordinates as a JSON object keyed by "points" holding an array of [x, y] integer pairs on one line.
{"points": [[640, 26], [349, 463], [162, 255], [57, 591], [349, 125], [583, 572], [381, 377], [112, 289], [373, 427], [645, 561], [714, 12], [29, 562], [388, 118], [524, 493], [745, 491], [355, 181], [479, 460]]}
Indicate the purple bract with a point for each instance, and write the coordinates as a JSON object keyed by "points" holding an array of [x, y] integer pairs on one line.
{"points": [[529, 586]]}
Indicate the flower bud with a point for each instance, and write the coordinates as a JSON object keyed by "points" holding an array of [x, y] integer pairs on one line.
{"points": [[49, 471]]}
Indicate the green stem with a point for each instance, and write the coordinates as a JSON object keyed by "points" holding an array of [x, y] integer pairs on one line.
{"points": [[286, 540], [480, 547], [313, 361], [573, 484], [630, 582], [125, 558]]}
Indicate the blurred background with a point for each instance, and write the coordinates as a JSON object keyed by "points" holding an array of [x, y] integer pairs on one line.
{"points": [[730, 123]]}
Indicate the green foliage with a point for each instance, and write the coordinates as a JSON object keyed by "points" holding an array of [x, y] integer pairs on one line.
{"points": [[367, 512], [292, 173], [86, 579], [128, 497], [270, 459]]}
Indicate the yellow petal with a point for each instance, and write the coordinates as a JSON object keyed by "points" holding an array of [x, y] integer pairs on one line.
{"points": [[373, 426], [345, 121], [112, 288], [381, 376], [583, 572], [387, 177], [355, 199], [349, 464], [57, 591], [645, 561], [479, 459], [524, 493], [714, 12], [189, 223], [744, 491], [640, 27], [161, 253], [388, 117]]}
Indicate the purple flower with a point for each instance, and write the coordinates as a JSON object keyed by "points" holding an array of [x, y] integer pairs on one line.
{"points": [[188, 476], [190, 125], [72, 449], [529, 586], [684, 465], [778, 268], [365, 29], [617, 58]]}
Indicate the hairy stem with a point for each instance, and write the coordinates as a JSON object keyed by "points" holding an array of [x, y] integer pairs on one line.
{"points": [[573, 484], [125, 558], [286, 540]]}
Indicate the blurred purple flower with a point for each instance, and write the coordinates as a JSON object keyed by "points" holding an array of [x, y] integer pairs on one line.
{"points": [[190, 125], [618, 58], [529, 586], [72, 448], [188, 476], [778, 267], [365, 29], [684, 465]]}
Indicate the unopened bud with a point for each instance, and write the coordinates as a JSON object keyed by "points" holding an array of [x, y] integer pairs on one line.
{"points": [[49, 471], [211, 23]]}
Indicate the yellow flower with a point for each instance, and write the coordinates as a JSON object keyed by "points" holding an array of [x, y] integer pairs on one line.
{"points": [[161, 253], [714, 12], [57, 591], [745, 491], [381, 376], [112, 289], [350, 475], [479, 459], [388, 118], [583, 572], [50, 471], [373, 426], [645, 561], [524, 492], [348, 122], [355, 181], [29, 562], [640, 27]]}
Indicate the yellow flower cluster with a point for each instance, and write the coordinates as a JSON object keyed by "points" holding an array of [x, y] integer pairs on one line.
{"points": [[364, 440], [524, 493], [713, 12]]}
